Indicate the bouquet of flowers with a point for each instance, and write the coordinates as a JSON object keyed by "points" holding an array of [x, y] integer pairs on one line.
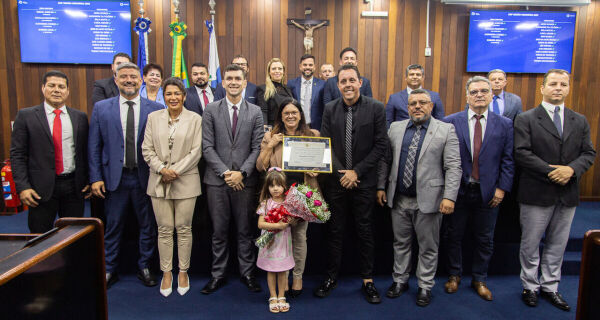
{"points": [[273, 216]]}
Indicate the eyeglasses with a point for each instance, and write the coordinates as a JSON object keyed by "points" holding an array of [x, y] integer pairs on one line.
{"points": [[473, 93]]}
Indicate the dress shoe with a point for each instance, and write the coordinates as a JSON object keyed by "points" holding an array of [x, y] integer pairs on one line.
{"points": [[213, 285], [183, 290], [451, 285], [166, 292], [111, 278], [371, 293], [325, 288], [556, 299], [423, 297], [251, 283], [482, 290], [294, 293], [529, 297], [396, 289], [147, 278]]}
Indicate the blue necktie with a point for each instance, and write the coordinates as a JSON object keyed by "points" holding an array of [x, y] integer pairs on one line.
{"points": [[556, 120], [496, 107]]}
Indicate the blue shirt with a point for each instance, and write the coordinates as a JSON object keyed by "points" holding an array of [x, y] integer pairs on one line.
{"points": [[411, 129], [159, 96], [500, 103]]}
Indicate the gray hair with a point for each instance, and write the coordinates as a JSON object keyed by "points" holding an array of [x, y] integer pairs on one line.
{"points": [[497, 71], [477, 79], [420, 91], [128, 65], [415, 66]]}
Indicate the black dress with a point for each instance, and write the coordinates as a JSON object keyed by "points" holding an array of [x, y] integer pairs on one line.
{"points": [[270, 107]]}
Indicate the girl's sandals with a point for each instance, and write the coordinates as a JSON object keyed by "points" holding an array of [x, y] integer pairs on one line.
{"points": [[273, 305], [283, 305]]}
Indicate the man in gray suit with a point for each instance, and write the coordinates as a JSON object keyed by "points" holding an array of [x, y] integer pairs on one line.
{"points": [[232, 130], [422, 184], [503, 103]]}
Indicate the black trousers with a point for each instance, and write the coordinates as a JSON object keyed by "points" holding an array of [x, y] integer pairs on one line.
{"points": [[65, 200], [357, 203]]}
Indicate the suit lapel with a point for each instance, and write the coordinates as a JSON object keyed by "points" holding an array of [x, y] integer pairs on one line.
{"points": [[313, 97], [224, 111], [40, 113], [433, 127], [298, 87], [404, 96], [74, 123], [114, 88], [568, 122], [490, 127], [182, 126], [545, 122], [463, 126], [144, 111], [242, 117], [116, 117]]}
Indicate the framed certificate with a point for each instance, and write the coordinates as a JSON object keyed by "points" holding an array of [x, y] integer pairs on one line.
{"points": [[306, 154]]}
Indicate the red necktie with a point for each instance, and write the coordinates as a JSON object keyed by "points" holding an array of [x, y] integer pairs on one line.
{"points": [[205, 98], [57, 140], [476, 147]]}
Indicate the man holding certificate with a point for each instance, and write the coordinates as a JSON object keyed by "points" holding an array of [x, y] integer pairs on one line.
{"points": [[356, 125]]}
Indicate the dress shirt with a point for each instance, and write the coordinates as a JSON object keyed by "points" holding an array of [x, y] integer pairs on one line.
{"points": [[500, 100], [411, 129], [68, 143], [550, 110], [136, 119], [306, 85], [230, 109], [209, 95], [409, 90], [472, 121]]}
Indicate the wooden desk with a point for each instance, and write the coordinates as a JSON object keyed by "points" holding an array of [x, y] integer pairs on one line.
{"points": [[588, 300]]}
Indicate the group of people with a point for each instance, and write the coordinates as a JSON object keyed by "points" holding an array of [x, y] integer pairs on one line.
{"points": [[164, 150]]}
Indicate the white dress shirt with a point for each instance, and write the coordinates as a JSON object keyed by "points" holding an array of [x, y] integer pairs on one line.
{"points": [[472, 121], [550, 110], [136, 119], [305, 97], [409, 90], [209, 95], [230, 109], [68, 143]]}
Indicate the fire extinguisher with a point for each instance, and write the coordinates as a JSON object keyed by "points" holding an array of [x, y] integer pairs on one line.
{"points": [[9, 189]]}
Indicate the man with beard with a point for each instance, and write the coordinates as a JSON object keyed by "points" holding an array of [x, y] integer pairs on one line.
{"points": [[118, 172], [309, 91], [422, 173], [331, 92], [201, 94], [107, 88], [326, 71], [249, 92]]}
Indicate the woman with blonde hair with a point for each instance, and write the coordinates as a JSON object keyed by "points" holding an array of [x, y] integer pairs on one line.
{"points": [[273, 92]]}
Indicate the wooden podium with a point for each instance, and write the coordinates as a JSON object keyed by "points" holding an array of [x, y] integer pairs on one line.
{"points": [[57, 275], [588, 300]]}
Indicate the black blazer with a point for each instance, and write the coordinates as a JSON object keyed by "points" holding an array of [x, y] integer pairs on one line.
{"points": [[32, 151], [369, 139], [104, 89], [538, 145], [192, 100], [270, 107]]}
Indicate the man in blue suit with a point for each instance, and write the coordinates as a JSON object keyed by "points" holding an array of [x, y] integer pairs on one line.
{"points": [[396, 108], [503, 103], [309, 91], [486, 147], [249, 93], [331, 91], [118, 172]]}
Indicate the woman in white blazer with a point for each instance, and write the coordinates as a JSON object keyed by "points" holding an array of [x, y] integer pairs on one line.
{"points": [[172, 148]]}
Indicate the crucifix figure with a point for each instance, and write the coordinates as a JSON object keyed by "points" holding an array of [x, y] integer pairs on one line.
{"points": [[308, 26]]}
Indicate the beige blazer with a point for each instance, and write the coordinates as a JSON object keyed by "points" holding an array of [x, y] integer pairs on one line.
{"points": [[265, 161], [183, 158]]}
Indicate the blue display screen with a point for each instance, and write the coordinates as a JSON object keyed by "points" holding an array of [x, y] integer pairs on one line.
{"points": [[74, 31], [520, 41]]}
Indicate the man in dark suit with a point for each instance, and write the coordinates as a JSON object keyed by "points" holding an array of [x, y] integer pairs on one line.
{"points": [[48, 155], [503, 103], [249, 92], [200, 94], [486, 148], [553, 149], [331, 91], [107, 88], [356, 126], [396, 108], [232, 130], [118, 172], [309, 91]]}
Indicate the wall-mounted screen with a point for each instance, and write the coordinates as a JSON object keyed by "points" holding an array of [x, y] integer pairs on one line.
{"points": [[74, 31], [520, 41]]}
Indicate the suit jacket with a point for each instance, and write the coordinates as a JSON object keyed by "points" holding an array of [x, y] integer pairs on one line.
{"points": [[331, 91], [32, 151], [496, 166], [250, 94], [438, 165], [192, 100], [106, 143], [369, 142], [538, 145], [396, 108], [221, 151], [270, 107], [316, 100], [512, 105], [183, 157], [104, 89]]}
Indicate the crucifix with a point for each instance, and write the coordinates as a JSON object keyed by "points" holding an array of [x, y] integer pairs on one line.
{"points": [[308, 25]]}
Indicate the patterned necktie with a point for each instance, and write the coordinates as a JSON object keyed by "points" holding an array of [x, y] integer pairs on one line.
{"points": [[57, 140], [410, 159], [205, 98], [476, 147], [307, 96], [349, 138], [496, 106], [556, 120], [234, 121], [130, 137]]}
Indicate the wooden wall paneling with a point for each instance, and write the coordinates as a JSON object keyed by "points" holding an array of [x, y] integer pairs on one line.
{"points": [[330, 54], [5, 112], [435, 41], [391, 50]]}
